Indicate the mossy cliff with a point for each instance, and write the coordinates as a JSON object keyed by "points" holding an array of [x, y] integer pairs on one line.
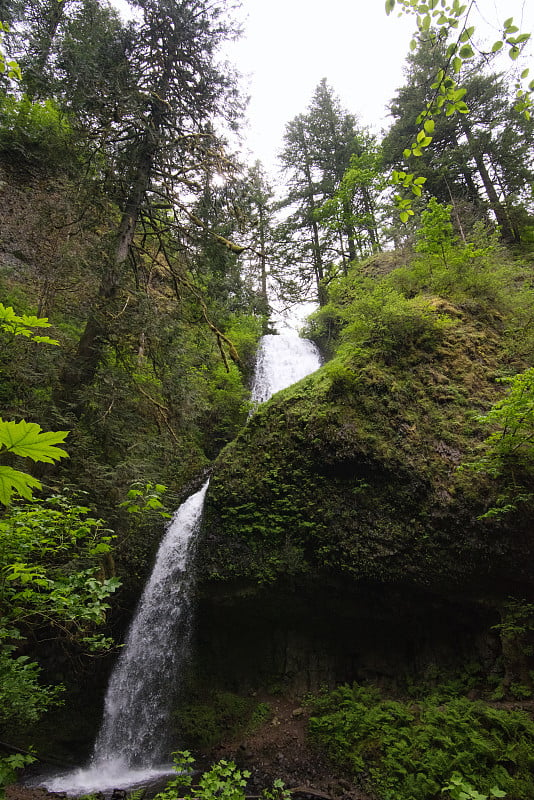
{"points": [[340, 511]]}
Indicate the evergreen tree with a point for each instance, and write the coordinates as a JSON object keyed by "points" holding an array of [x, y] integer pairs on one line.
{"points": [[161, 145], [483, 157], [331, 214]]}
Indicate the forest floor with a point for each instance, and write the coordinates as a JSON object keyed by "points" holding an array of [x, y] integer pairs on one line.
{"points": [[280, 748]]}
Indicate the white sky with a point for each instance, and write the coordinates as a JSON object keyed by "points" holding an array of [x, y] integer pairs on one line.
{"points": [[288, 46]]}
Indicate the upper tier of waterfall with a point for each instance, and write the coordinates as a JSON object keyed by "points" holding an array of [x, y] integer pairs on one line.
{"points": [[282, 359]]}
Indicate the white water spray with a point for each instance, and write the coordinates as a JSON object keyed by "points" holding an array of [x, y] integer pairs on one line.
{"points": [[282, 360], [129, 749]]}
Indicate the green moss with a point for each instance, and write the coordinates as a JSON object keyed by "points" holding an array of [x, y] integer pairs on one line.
{"points": [[218, 716], [355, 468]]}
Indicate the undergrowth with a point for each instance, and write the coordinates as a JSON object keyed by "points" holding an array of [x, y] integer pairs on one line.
{"points": [[425, 749]]}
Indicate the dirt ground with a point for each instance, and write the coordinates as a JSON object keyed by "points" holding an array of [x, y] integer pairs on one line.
{"points": [[280, 749]]}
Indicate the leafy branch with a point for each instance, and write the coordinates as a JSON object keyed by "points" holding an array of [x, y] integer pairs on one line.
{"points": [[436, 19], [25, 439], [9, 68]]}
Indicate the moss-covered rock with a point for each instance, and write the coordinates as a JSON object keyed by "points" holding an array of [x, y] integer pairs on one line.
{"points": [[354, 470]]}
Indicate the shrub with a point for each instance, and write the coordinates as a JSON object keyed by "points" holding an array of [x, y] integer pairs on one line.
{"points": [[38, 132]]}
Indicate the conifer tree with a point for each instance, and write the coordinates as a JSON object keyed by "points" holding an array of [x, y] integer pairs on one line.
{"points": [[161, 145], [484, 156]]}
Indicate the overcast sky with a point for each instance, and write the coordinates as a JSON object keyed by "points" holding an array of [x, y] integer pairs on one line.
{"points": [[288, 46]]}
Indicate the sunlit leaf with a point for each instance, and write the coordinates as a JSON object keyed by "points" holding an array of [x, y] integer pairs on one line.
{"points": [[12, 481], [29, 440], [466, 52]]}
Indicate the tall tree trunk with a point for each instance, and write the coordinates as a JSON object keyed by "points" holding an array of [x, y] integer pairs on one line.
{"points": [[500, 211], [81, 368], [314, 228], [263, 258]]}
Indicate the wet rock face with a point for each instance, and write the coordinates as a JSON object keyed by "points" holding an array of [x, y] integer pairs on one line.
{"points": [[305, 636]]}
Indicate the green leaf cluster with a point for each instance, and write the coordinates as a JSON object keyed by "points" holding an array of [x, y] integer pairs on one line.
{"points": [[143, 498], [8, 67], [37, 131], [436, 20], [50, 578], [28, 440], [24, 325], [224, 781], [507, 454]]}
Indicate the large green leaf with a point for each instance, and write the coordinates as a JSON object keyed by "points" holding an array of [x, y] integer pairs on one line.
{"points": [[14, 481], [29, 440]]}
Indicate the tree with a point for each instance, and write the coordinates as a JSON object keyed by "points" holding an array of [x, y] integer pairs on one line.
{"points": [[303, 200], [468, 158], [447, 96], [162, 144], [331, 211], [256, 208]]}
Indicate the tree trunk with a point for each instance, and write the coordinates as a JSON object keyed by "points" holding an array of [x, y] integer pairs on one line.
{"points": [[81, 369], [507, 230]]}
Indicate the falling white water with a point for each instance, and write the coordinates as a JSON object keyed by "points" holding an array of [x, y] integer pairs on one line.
{"points": [[283, 359], [132, 737], [130, 746]]}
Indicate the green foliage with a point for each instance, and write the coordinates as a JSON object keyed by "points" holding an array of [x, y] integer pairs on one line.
{"points": [[459, 789], [436, 232], [517, 620], [507, 453], [436, 22], [147, 497], [25, 439], [28, 440], [10, 765], [24, 325], [219, 716], [388, 323], [406, 751], [224, 781], [50, 578], [48, 551], [36, 132], [23, 698], [512, 444], [9, 68], [476, 274]]}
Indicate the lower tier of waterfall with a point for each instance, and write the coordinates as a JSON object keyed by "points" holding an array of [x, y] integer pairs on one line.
{"points": [[130, 747]]}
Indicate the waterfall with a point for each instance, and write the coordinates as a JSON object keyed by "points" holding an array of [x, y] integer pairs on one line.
{"points": [[129, 749], [282, 359]]}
